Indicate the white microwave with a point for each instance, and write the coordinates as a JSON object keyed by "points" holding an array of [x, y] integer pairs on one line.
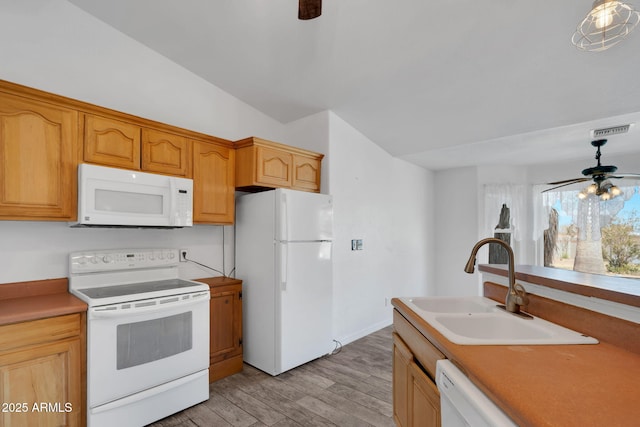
{"points": [[119, 197]]}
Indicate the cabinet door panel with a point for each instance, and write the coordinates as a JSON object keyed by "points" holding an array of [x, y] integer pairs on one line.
{"points": [[306, 173], [273, 167], [38, 160], [222, 315], [165, 153], [111, 142], [424, 398], [213, 183], [46, 375], [401, 359]]}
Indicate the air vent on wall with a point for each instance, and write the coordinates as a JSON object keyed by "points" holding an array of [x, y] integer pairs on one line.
{"points": [[614, 130]]}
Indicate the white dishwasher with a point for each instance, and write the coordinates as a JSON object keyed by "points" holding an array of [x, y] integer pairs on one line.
{"points": [[462, 404]]}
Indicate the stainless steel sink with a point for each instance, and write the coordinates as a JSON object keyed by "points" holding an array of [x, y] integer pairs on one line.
{"points": [[478, 321]]}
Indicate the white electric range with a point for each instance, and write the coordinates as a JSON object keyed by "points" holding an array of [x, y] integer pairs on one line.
{"points": [[147, 335]]}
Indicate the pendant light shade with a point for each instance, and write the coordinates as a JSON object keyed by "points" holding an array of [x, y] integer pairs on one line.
{"points": [[607, 24]]}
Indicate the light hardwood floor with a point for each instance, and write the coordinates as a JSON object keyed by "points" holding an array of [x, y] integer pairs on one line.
{"points": [[350, 388]]}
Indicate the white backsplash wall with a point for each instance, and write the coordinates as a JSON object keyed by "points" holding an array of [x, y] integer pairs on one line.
{"points": [[32, 250]]}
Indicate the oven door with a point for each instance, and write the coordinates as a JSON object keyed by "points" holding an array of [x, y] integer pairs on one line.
{"points": [[138, 345]]}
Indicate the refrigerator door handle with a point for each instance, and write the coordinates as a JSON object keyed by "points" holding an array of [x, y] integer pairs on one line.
{"points": [[284, 261]]}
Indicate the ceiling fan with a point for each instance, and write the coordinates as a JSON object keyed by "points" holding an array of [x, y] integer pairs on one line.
{"points": [[309, 9], [600, 175]]}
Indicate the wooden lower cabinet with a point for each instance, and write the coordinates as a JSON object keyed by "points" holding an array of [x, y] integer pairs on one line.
{"points": [[41, 372], [424, 398], [225, 356], [416, 399]]}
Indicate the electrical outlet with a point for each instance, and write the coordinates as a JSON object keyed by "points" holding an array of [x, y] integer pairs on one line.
{"points": [[183, 255]]}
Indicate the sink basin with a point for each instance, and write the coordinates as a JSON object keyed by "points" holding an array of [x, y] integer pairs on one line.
{"points": [[477, 321], [453, 304]]}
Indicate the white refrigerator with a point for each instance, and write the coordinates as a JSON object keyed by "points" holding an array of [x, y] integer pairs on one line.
{"points": [[283, 257]]}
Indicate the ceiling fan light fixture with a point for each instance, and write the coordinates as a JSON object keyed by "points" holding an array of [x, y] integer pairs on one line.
{"points": [[607, 24]]}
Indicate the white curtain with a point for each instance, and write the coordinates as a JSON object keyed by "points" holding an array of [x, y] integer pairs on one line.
{"points": [[515, 197]]}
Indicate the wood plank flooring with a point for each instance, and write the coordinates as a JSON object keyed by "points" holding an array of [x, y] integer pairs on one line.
{"points": [[349, 389]]}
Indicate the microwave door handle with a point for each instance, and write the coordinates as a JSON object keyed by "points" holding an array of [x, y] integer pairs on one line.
{"points": [[172, 201]]}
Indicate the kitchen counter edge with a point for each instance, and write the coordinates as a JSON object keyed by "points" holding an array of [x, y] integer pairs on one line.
{"points": [[39, 299]]}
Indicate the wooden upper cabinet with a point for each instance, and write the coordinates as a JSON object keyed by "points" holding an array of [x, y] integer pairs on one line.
{"points": [[264, 164], [273, 167], [111, 142], [306, 173], [38, 160], [164, 152], [213, 183], [44, 136]]}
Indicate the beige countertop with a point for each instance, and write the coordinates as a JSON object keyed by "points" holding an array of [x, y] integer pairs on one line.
{"points": [[549, 385], [25, 301]]}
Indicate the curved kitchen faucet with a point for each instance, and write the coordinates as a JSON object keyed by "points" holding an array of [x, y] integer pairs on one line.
{"points": [[516, 295]]}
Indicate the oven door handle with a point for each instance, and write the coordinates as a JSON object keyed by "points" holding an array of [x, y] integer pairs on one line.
{"points": [[140, 307]]}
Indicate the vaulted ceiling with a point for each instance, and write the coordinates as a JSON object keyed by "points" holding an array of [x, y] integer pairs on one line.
{"points": [[440, 84]]}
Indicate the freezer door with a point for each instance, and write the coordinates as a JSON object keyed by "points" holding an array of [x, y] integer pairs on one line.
{"points": [[303, 216], [305, 314]]}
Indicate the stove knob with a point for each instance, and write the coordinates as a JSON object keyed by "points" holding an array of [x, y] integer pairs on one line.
{"points": [[82, 260], [93, 260], [161, 256], [171, 255], [107, 259]]}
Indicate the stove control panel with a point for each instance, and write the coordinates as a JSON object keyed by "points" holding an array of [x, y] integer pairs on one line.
{"points": [[121, 259]]}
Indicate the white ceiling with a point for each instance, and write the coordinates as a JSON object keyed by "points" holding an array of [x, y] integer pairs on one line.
{"points": [[439, 83]]}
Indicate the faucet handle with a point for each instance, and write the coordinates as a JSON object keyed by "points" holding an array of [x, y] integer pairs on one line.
{"points": [[522, 299]]}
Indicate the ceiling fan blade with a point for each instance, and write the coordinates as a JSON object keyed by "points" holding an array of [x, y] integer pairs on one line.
{"points": [[625, 175], [309, 9], [570, 181]]}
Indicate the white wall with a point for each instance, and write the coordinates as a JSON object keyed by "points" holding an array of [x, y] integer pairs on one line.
{"points": [[54, 46], [387, 203], [457, 229], [33, 250]]}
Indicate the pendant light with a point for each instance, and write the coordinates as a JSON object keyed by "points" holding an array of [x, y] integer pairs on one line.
{"points": [[608, 23]]}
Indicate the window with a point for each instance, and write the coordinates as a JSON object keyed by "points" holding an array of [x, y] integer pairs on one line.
{"points": [[590, 235]]}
